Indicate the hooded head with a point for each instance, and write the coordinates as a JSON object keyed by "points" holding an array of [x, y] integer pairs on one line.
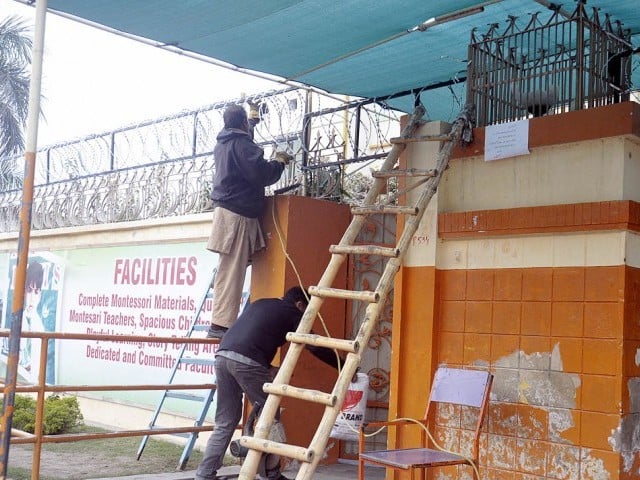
{"points": [[234, 116]]}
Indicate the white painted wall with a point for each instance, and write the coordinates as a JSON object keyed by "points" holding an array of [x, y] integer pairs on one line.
{"points": [[589, 171]]}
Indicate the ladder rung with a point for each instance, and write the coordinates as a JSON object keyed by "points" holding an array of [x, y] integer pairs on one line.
{"points": [[198, 361], [315, 396], [411, 172], [351, 346], [284, 450], [364, 296], [364, 250], [372, 209], [185, 396], [442, 137]]}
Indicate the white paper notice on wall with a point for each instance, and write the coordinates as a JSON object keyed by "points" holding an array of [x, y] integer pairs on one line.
{"points": [[506, 140]]}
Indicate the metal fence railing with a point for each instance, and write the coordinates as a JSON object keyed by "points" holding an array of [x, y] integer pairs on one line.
{"points": [[41, 389]]}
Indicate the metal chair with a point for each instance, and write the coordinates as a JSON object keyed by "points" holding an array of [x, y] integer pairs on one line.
{"points": [[454, 386]]}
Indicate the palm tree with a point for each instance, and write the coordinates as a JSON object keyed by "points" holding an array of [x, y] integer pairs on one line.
{"points": [[15, 59]]}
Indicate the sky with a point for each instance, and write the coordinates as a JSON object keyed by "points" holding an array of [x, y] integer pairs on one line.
{"points": [[95, 81]]}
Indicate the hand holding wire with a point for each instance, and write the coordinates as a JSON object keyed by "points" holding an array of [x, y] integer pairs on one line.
{"points": [[283, 157]]}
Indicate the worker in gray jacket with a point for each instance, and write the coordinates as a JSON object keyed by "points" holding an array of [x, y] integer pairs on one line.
{"points": [[241, 175]]}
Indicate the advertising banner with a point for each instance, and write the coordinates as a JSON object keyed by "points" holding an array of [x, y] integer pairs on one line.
{"points": [[147, 290]]}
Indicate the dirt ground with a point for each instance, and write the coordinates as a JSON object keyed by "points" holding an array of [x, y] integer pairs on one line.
{"points": [[64, 462], [68, 465]]}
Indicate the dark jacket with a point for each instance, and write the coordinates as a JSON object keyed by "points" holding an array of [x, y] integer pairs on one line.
{"points": [[262, 328], [241, 173]]}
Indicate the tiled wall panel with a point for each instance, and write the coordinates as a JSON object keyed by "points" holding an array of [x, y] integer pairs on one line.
{"points": [[565, 370]]}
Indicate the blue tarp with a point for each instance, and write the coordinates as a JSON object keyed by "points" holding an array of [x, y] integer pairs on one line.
{"points": [[356, 47]]}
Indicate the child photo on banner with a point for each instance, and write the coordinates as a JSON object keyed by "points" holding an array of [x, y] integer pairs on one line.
{"points": [[43, 285]]}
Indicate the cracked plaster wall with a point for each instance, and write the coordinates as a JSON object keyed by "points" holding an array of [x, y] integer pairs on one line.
{"points": [[537, 443]]}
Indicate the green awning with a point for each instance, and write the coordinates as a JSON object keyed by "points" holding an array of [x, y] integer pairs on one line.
{"points": [[357, 47]]}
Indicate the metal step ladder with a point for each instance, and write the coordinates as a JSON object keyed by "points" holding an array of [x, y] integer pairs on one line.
{"points": [[205, 400], [427, 181]]}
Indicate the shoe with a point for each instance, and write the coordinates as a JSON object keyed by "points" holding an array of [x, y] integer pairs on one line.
{"points": [[216, 331]]}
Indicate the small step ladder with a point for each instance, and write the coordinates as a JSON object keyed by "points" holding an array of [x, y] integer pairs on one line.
{"points": [[428, 180], [205, 400]]}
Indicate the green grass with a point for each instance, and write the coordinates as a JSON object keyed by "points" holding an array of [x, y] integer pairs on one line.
{"points": [[19, 473], [98, 458]]}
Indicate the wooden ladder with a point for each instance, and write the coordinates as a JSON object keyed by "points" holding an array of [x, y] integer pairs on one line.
{"points": [[428, 180]]}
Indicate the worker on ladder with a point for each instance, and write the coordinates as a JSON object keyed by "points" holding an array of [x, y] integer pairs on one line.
{"points": [[243, 364], [241, 174]]}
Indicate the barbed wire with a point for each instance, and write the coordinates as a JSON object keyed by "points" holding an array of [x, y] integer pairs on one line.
{"points": [[164, 167]]}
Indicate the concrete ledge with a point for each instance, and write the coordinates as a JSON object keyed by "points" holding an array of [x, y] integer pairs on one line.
{"points": [[158, 230]]}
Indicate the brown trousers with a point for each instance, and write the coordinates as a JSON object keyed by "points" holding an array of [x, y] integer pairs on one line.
{"points": [[235, 238]]}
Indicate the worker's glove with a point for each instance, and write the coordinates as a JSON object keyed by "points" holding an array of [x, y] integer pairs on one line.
{"points": [[256, 108], [283, 157]]}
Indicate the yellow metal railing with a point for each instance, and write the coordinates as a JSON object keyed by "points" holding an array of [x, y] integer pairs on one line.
{"points": [[41, 389]]}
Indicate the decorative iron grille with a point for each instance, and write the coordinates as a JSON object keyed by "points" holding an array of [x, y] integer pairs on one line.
{"points": [[338, 137], [566, 62], [366, 271]]}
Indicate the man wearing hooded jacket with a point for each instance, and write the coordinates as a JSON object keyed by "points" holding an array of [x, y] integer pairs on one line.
{"points": [[243, 365], [241, 174]]}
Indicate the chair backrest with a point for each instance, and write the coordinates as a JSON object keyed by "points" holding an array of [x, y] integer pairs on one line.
{"points": [[460, 387], [467, 388]]}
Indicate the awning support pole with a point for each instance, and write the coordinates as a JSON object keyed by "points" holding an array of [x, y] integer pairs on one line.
{"points": [[24, 235]]}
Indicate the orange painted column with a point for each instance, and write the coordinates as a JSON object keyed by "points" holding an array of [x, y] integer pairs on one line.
{"points": [[299, 231], [413, 336]]}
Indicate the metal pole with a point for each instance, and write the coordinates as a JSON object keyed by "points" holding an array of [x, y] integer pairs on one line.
{"points": [[42, 380], [112, 152], [194, 139], [306, 139], [23, 238]]}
